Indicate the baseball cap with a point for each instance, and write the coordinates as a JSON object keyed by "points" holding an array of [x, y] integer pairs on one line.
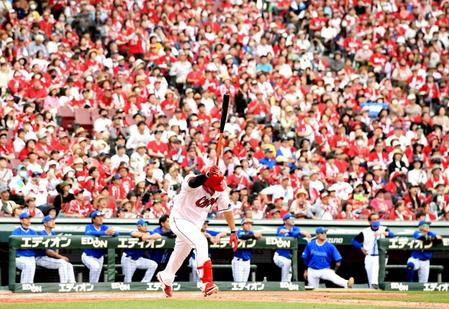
{"points": [[321, 230], [141, 222], [47, 218], [424, 222], [24, 215], [375, 224], [287, 216], [96, 213]]}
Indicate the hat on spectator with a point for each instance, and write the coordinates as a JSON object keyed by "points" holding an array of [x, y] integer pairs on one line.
{"points": [[302, 191], [78, 161], [321, 230], [287, 217], [411, 96], [78, 191], [47, 218], [96, 213], [3, 189]]}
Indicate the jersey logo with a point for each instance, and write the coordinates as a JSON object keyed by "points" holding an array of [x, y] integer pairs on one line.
{"points": [[205, 202]]}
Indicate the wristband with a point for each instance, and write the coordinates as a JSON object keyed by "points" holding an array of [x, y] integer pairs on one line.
{"points": [[233, 232]]}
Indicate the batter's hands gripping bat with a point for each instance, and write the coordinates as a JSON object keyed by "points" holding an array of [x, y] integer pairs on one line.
{"points": [[224, 116]]}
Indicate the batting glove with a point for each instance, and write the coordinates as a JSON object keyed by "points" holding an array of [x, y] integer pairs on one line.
{"points": [[213, 171], [233, 241]]}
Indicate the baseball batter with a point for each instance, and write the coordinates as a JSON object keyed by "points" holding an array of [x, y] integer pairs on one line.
{"points": [[241, 263], [25, 258], [93, 258], [212, 237], [198, 194], [133, 259], [366, 241], [318, 257], [51, 258], [420, 259], [283, 257]]}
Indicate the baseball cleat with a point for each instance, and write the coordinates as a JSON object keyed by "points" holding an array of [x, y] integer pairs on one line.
{"points": [[168, 290], [209, 289], [350, 283]]}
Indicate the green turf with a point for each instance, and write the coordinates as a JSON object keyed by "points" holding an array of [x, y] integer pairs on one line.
{"points": [[415, 296], [177, 304]]}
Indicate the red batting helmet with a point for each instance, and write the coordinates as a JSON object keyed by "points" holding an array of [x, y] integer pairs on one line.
{"points": [[215, 180]]}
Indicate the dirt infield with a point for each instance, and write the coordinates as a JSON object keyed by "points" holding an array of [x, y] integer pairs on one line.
{"points": [[316, 297]]}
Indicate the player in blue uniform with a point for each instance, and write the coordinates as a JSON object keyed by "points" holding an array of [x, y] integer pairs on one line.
{"points": [[212, 237], [161, 256], [283, 257], [241, 263], [318, 256], [93, 258], [133, 259], [420, 259], [51, 258], [25, 258]]}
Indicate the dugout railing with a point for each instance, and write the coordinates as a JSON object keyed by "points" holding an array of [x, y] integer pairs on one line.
{"points": [[114, 244], [409, 244]]}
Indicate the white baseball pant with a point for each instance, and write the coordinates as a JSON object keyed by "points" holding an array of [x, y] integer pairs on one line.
{"points": [[188, 236], [286, 267], [65, 269], [240, 269], [129, 267], [314, 276], [95, 266], [423, 268], [27, 265], [372, 269]]}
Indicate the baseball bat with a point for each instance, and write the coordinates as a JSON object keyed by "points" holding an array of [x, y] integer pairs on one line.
{"points": [[224, 116]]}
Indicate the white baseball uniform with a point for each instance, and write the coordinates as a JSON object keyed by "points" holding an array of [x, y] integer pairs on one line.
{"points": [[65, 269], [189, 212], [423, 268], [133, 259], [368, 240], [25, 258]]}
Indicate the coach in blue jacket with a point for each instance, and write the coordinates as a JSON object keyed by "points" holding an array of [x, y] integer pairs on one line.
{"points": [[318, 257], [93, 258]]}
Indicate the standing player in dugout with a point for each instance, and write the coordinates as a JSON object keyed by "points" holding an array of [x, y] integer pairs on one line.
{"points": [[190, 209]]}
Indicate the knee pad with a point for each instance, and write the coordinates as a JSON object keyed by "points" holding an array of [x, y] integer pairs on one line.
{"points": [[410, 266]]}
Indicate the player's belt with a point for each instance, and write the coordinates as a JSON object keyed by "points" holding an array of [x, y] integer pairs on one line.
{"points": [[374, 254], [423, 259], [132, 258], [240, 259]]}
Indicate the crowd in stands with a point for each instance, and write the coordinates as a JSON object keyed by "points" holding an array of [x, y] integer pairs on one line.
{"points": [[338, 108]]}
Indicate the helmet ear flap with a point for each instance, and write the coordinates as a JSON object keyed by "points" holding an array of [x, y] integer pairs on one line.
{"points": [[215, 182]]}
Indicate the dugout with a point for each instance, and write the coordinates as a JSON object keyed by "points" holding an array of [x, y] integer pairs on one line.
{"points": [[340, 233]]}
